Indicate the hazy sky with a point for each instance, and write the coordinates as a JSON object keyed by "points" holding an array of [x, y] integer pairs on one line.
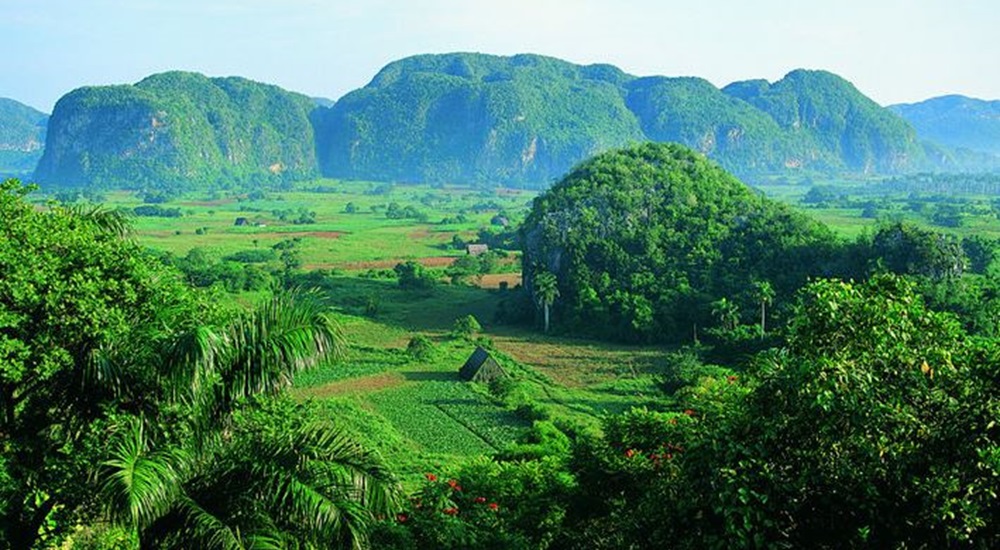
{"points": [[893, 50]]}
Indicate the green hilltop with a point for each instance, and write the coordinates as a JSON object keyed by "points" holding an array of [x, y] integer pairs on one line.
{"points": [[522, 120], [22, 136], [529, 118], [178, 129], [642, 240], [481, 118]]}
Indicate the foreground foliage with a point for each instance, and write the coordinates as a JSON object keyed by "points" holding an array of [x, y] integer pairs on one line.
{"points": [[100, 342]]}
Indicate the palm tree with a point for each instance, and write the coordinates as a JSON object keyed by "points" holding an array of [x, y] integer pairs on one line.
{"points": [[308, 485], [763, 293], [546, 292], [133, 361], [227, 486], [727, 312]]}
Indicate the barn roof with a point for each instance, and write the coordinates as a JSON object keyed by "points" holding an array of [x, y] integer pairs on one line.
{"points": [[481, 367]]}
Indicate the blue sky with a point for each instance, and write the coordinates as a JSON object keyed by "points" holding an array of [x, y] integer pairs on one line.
{"points": [[893, 50]]}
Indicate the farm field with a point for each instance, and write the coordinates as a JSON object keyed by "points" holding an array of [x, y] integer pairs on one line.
{"points": [[428, 416], [341, 224]]}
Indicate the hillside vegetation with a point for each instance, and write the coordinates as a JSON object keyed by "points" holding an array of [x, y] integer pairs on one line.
{"points": [[523, 120], [643, 240], [176, 131], [22, 136], [529, 118]]}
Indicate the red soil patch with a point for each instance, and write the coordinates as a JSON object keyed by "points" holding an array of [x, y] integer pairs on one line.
{"points": [[366, 384]]}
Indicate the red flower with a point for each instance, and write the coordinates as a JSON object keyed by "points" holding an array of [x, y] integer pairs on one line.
{"points": [[454, 485], [451, 511], [401, 518], [629, 453], [670, 456], [494, 506], [480, 500], [689, 412], [731, 378], [431, 477]]}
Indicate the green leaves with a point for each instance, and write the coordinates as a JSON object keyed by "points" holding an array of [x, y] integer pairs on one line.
{"points": [[140, 485], [276, 476]]}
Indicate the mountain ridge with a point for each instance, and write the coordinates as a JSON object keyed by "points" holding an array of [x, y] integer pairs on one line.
{"points": [[602, 107], [175, 128], [522, 120], [956, 121]]}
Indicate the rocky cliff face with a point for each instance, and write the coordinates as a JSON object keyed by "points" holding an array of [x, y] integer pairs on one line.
{"points": [[834, 126], [176, 131]]}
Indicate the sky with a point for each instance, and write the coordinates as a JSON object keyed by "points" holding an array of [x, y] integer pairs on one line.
{"points": [[893, 50]]}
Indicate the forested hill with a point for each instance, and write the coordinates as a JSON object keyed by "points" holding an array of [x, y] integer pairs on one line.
{"points": [[467, 118], [529, 118], [178, 130], [956, 121], [22, 136], [645, 242]]}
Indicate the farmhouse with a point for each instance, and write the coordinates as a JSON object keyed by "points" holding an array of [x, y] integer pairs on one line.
{"points": [[481, 367], [476, 249]]}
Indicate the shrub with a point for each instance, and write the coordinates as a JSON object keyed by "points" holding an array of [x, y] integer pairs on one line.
{"points": [[466, 327], [420, 347]]}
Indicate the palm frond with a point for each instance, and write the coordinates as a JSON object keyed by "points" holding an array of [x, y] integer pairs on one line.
{"points": [[205, 530], [111, 222], [263, 350], [139, 486]]}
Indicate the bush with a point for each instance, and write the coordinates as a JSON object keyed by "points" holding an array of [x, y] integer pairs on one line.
{"points": [[466, 327], [685, 368], [254, 256], [420, 347], [413, 276]]}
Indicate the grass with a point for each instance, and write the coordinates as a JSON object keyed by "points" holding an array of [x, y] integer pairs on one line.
{"points": [[979, 215], [338, 239]]}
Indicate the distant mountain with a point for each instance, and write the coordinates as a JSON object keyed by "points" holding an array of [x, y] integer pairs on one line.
{"points": [[476, 118], [22, 137], [529, 118], [469, 118], [830, 125], [956, 121], [176, 130]]}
